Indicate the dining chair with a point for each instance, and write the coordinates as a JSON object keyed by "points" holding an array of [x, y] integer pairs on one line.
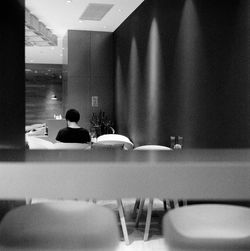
{"points": [[207, 227], [116, 142], [35, 143], [59, 226], [116, 139], [38, 144], [142, 200]]}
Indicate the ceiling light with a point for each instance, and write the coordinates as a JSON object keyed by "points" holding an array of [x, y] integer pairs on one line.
{"points": [[95, 11], [119, 10], [69, 1]]}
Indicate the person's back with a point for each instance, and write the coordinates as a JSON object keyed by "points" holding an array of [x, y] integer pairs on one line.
{"points": [[73, 133]]}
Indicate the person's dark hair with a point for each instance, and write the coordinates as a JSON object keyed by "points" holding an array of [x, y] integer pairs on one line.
{"points": [[72, 115]]}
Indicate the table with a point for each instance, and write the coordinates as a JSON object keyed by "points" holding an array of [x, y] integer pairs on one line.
{"points": [[186, 174]]}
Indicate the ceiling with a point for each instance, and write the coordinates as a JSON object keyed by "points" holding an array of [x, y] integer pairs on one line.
{"points": [[60, 16]]}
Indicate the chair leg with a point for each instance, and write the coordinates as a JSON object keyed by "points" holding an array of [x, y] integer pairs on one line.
{"points": [[136, 206], [141, 205], [184, 202], [28, 201], [93, 201], [176, 203], [165, 204], [123, 222], [148, 219]]}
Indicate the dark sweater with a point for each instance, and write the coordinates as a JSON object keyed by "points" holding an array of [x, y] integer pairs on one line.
{"points": [[73, 135]]}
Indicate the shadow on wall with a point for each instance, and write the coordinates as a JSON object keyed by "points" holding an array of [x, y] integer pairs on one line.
{"points": [[188, 58]]}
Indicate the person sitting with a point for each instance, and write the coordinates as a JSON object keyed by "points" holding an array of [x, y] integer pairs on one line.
{"points": [[73, 133]]}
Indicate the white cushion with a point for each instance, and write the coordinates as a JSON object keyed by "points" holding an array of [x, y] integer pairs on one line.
{"points": [[208, 227], [37, 143], [115, 139], [62, 225], [152, 147]]}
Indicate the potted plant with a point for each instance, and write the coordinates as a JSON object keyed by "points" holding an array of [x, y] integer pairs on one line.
{"points": [[100, 124]]}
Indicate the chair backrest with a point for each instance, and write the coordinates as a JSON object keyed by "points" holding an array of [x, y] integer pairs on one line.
{"points": [[112, 139], [61, 225], [37, 143], [152, 147], [68, 146]]}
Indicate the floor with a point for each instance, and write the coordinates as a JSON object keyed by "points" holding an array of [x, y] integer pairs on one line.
{"points": [[155, 241], [154, 244]]}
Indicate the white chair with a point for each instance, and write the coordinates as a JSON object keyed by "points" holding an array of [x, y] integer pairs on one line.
{"points": [[207, 227], [152, 147], [119, 140], [68, 146], [36, 143], [59, 226], [115, 139], [142, 200]]}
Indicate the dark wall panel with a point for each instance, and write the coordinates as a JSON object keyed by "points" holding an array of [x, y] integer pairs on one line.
{"points": [[78, 97], [89, 72], [12, 95], [182, 68], [78, 53], [103, 88], [102, 54]]}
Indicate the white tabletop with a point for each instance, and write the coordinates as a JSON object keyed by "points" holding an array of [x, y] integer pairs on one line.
{"points": [[193, 174]]}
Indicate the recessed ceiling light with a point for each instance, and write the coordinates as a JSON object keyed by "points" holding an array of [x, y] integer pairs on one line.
{"points": [[69, 1], [104, 26], [80, 21]]}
